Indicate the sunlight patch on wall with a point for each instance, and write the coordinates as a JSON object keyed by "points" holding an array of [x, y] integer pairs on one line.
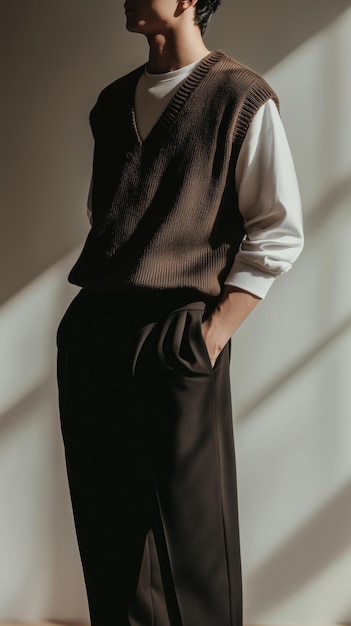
{"points": [[315, 88], [28, 323]]}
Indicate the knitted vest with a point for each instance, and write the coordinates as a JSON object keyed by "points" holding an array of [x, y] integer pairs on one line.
{"points": [[165, 210]]}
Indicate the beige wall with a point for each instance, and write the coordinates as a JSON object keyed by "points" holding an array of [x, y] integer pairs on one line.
{"points": [[291, 360]]}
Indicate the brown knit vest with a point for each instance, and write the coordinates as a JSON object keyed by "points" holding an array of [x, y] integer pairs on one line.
{"points": [[165, 210]]}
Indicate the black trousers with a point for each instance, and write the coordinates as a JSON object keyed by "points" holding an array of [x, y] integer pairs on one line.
{"points": [[147, 430]]}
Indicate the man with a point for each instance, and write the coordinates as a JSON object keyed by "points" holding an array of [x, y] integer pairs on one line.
{"points": [[195, 210]]}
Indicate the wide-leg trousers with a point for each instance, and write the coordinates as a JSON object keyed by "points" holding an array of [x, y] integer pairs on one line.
{"points": [[147, 430]]}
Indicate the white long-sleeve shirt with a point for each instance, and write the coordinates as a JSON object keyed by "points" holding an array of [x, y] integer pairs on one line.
{"points": [[266, 183]]}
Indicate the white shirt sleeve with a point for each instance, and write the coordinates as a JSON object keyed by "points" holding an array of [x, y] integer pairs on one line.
{"points": [[270, 203]]}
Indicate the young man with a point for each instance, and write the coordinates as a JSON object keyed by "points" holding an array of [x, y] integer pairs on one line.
{"points": [[195, 210]]}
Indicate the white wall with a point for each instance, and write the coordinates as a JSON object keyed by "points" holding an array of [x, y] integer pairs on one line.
{"points": [[291, 388]]}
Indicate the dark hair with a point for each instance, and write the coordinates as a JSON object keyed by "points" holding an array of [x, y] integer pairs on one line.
{"points": [[203, 11]]}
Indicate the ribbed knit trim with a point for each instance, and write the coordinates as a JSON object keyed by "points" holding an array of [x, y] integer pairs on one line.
{"points": [[259, 93], [170, 113], [187, 87]]}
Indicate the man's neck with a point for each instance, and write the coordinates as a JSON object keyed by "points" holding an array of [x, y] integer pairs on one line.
{"points": [[167, 56]]}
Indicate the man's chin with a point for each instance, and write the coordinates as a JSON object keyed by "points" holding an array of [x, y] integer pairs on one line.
{"points": [[134, 27]]}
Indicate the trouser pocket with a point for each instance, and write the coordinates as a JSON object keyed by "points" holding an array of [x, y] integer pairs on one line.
{"points": [[176, 342]]}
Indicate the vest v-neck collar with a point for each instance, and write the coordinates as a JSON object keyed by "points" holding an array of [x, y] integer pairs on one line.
{"points": [[177, 102]]}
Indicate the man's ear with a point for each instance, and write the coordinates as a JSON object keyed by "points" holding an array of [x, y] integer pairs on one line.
{"points": [[183, 5]]}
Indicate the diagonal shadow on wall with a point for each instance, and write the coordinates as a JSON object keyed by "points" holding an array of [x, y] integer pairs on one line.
{"points": [[277, 28], [320, 211], [295, 368], [305, 554]]}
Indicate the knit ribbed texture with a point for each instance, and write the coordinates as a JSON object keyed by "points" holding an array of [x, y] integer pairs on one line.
{"points": [[165, 212]]}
